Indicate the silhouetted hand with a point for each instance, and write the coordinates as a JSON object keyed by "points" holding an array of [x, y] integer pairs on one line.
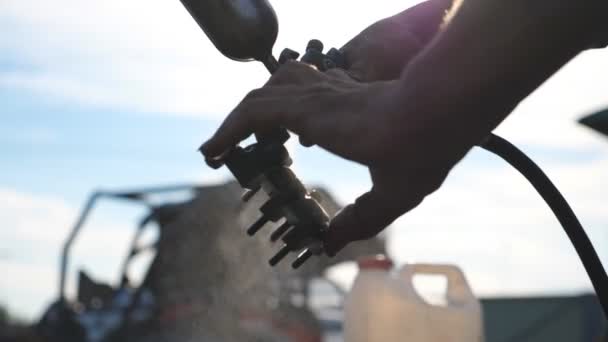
{"points": [[410, 128], [365, 122]]}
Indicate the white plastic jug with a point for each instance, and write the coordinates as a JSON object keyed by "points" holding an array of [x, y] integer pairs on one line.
{"points": [[384, 306]]}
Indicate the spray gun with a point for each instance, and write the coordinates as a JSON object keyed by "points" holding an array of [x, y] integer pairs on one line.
{"points": [[246, 30]]}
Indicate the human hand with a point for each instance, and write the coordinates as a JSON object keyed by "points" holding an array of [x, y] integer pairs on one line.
{"points": [[333, 111], [364, 122], [411, 131]]}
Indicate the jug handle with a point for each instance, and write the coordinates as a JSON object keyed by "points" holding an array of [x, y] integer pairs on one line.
{"points": [[458, 291]]}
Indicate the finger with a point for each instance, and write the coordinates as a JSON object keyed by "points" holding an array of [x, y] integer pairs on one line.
{"points": [[369, 215], [243, 121], [261, 111], [300, 109], [233, 130]]}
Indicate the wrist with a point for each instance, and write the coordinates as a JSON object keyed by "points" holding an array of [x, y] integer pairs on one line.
{"points": [[433, 123], [380, 52], [514, 51]]}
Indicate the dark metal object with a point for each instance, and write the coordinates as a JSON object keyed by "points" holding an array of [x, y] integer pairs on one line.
{"points": [[315, 56], [245, 30], [277, 233], [265, 165]]}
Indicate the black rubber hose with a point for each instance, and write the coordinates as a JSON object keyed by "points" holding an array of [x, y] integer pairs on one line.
{"points": [[560, 208]]}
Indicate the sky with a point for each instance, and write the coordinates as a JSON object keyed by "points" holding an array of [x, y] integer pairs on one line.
{"points": [[119, 94]]}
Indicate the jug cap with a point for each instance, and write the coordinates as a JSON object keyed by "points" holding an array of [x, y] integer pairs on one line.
{"points": [[378, 262]]}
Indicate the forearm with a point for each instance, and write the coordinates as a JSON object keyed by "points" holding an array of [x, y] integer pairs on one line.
{"points": [[498, 43], [381, 42], [382, 50], [491, 55]]}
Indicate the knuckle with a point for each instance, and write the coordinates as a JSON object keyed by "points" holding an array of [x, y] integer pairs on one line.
{"points": [[292, 64], [242, 113], [298, 68], [296, 122], [436, 181], [277, 78], [355, 75], [288, 72], [253, 94], [339, 73]]}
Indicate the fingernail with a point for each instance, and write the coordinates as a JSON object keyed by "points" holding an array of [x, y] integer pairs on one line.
{"points": [[306, 143], [204, 147], [214, 163]]}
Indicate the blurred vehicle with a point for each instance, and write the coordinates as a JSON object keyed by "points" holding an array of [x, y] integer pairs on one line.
{"points": [[101, 312], [207, 280]]}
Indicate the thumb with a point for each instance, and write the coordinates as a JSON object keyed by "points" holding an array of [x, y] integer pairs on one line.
{"points": [[369, 215]]}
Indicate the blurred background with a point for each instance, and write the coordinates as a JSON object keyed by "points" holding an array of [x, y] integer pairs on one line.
{"points": [[119, 94]]}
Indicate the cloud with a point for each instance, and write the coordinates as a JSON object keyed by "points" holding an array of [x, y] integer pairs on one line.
{"points": [[144, 56], [33, 134], [33, 218], [34, 228], [115, 54], [27, 288], [548, 116], [152, 57]]}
